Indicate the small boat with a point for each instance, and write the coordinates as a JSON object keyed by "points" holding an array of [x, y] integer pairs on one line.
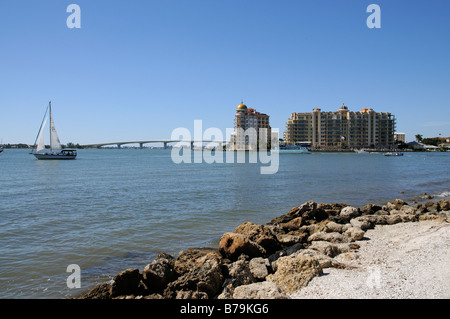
{"points": [[1, 149], [292, 149], [56, 151], [362, 151], [393, 154]]}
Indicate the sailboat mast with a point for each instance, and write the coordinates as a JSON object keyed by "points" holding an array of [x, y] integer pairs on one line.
{"points": [[50, 113]]}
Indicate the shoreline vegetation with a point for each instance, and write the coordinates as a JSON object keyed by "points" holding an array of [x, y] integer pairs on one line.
{"points": [[313, 150], [270, 261]]}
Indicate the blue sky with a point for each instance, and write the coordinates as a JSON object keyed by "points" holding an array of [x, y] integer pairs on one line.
{"points": [[139, 69]]}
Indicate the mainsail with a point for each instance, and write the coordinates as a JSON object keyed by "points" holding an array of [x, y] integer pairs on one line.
{"points": [[55, 144], [40, 139], [40, 143]]}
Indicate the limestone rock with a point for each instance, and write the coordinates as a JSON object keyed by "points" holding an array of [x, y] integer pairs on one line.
{"points": [[362, 222], [239, 273], [188, 259], [330, 237], [294, 272], [349, 212], [406, 209], [126, 283], [158, 274], [354, 233], [232, 245], [259, 268], [262, 235], [370, 209], [260, 290], [101, 291], [333, 227], [329, 249], [205, 278]]}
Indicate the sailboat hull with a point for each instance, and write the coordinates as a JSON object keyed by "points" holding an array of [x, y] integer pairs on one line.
{"points": [[63, 155], [54, 157]]}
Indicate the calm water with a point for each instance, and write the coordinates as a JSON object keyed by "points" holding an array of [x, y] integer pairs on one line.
{"points": [[115, 209]]}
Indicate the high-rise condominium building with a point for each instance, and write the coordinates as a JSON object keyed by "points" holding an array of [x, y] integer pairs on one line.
{"points": [[341, 129], [247, 125]]}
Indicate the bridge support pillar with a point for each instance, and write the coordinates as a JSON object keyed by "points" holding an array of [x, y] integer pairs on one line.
{"points": [[141, 145], [165, 145], [192, 145], [119, 145]]}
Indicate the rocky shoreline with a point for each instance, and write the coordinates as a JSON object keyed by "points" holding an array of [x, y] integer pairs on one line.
{"points": [[269, 261]]}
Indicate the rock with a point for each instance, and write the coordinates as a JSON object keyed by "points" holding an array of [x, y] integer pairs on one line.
{"points": [[330, 237], [332, 209], [125, 283], [377, 219], [101, 291], [433, 217], [259, 268], [370, 209], [406, 218], [262, 235], [239, 273], [349, 212], [443, 205], [285, 252], [314, 216], [292, 225], [393, 219], [191, 295], [294, 272], [158, 274], [333, 227], [362, 222], [287, 240], [205, 278], [354, 233], [329, 249], [406, 209], [260, 290], [324, 260], [309, 211], [395, 204], [232, 245], [188, 259]]}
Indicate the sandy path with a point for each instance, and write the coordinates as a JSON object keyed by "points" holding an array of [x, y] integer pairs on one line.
{"points": [[406, 260]]}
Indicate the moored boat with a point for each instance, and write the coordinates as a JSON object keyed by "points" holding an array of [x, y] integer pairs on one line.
{"points": [[56, 151], [292, 149], [393, 154]]}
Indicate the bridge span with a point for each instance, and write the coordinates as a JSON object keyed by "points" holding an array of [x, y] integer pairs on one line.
{"points": [[142, 143]]}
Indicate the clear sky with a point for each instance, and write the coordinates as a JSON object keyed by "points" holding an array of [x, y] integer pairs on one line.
{"points": [[138, 69]]}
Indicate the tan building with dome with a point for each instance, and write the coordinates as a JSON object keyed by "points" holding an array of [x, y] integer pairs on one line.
{"points": [[247, 123], [343, 129]]}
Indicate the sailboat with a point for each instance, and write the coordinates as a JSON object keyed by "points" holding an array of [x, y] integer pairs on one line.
{"points": [[56, 151]]}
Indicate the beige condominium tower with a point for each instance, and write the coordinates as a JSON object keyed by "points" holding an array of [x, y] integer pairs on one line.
{"points": [[247, 125], [342, 129]]}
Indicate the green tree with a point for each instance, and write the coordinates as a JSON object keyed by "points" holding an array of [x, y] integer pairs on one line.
{"points": [[419, 137]]}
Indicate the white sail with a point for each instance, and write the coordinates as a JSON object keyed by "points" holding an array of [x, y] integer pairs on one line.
{"points": [[55, 144], [40, 139]]}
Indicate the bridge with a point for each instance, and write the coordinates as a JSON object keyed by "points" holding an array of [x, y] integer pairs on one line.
{"points": [[141, 143]]}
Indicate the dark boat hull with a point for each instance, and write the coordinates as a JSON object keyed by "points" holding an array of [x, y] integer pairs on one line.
{"points": [[54, 157]]}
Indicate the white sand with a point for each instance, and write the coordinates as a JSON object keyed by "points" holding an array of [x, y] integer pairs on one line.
{"points": [[406, 260]]}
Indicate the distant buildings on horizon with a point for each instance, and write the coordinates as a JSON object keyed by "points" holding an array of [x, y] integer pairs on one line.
{"points": [[343, 129]]}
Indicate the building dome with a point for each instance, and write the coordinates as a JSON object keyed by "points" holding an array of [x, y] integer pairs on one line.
{"points": [[241, 107], [343, 107]]}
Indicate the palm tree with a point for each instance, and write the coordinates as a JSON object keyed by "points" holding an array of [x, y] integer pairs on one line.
{"points": [[419, 137]]}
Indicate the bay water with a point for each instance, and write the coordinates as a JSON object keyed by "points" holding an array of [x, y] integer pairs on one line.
{"points": [[113, 209]]}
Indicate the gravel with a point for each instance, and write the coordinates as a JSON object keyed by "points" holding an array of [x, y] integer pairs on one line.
{"points": [[401, 261]]}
